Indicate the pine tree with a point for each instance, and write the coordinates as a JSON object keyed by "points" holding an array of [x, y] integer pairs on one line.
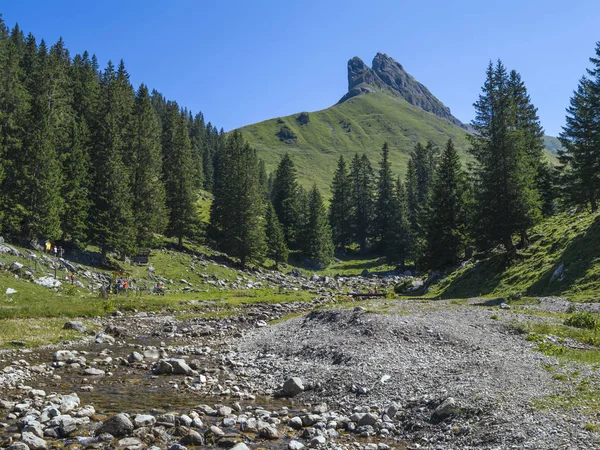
{"points": [[75, 190], [196, 129], [580, 138], [341, 206], [14, 110], [316, 237], [447, 218], [398, 238], [363, 194], [149, 208], [276, 248], [112, 196], [178, 174], [263, 180], [506, 194], [284, 197], [237, 212], [385, 205]]}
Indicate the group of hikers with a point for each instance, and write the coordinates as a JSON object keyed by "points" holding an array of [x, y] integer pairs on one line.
{"points": [[123, 285], [54, 249]]}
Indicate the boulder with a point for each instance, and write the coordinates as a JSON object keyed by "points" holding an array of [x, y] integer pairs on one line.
{"points": [[118, 425], [33, 442], [74, 325], [292, 387], [144, 420], [192, 438], [446, 409]]}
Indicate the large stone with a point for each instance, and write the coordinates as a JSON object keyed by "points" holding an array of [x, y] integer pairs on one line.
{"points": [[367, 419], [63, 355], [73, 325], [267, 431], [446, 409], [66, 425], [192, 438], [69, 403], [93, 372], [240, 446], [130, 443], [295, 445], [144, 420], [33, 442], [118, 425], [292, 387]]}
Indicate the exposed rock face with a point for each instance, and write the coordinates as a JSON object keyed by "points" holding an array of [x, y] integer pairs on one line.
{"points": [[388, 75]]}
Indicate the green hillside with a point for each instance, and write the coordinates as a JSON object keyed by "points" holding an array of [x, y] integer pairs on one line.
{"points": [[552, 143], [361, 124], [562, 260]]}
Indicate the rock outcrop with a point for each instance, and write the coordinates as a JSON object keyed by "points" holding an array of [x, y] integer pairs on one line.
{"points": [[388, 75]]}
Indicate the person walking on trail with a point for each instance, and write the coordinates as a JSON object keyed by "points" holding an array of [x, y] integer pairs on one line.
{"points": [[72, 278], [55, 251], [48, 246]]}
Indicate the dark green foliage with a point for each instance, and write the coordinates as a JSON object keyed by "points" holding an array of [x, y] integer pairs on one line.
{"points": [[506, 165], [149, 209], [178, 173], [112, 196], [398, 237], [316, 233], [447, 219], [385, 205], [341, 206], [303, 118], [263, 180], [363, 199], [286, 134], [197, 131], [548, 179], [237, 212], [276, 247], [585, 320], [285, 198], [581, 141], [76, 187]]}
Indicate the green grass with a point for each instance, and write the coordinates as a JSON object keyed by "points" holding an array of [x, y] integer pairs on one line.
{"points": [[34, 332], [361, 124], [569, 239]]}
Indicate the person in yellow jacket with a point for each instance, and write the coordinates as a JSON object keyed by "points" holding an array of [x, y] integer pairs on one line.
{"points": [[48, 246]]}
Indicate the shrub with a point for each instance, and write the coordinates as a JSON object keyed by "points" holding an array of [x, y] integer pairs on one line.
{"points": [[303, 118], [286, 134], [585, 320]]}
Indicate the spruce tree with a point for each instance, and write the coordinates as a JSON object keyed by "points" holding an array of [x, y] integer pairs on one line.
{"points": [[196, 129], [178, 174], [316, 237], [276, 248], [398, 238], [149, 209], [385, 204], [341, 206], [237, 212], [112, 195], [447, 224], [506, 194], [76, 187], [580, 138], [363, 194], [14, 111], [284, 196]]}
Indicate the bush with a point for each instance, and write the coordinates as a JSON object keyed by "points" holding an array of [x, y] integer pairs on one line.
{"points": [[585, 320], [286, 134], [303, 118]]}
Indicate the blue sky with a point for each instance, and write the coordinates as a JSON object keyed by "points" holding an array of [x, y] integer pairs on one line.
{"points": [[240, 62]]}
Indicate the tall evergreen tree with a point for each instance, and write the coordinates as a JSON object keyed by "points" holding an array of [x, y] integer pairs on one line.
{"points": [[113, 215], [14, 111], [316, 236], [178, 173], [285, 196], [507, 197], [149, 209], [580, 138], [76, 187], [385, 204], [447, 217], [363, 195], [196, 129], [398, 237], [237, 212], [276, 248], [341, 206]]}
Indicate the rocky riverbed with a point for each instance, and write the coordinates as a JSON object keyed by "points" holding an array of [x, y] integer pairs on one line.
{"points": [[406, 374]]}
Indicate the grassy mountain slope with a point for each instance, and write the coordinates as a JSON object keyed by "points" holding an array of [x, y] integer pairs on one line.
{"points": [[360, 124], [553, 145], [562, 260]]}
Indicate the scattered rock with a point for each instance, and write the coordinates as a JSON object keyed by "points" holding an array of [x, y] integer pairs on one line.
{"points": [[77, 326], [292, 387], [118, 425]]}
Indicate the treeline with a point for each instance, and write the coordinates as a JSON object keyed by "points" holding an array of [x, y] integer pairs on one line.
{"points": [[86, 158]]}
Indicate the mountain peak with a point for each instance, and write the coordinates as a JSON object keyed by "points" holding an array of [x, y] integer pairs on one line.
{"points": [[389, 76]]}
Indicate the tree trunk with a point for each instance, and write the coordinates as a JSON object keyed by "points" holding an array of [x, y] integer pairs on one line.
{"points": [[524, 239], [593, 204], [508, 245]]}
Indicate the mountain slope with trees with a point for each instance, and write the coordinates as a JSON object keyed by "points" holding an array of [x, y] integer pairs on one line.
{"points": [[383, 104]]}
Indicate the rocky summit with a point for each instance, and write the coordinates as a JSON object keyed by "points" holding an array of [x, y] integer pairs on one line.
{"points": [[388, 75]]}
